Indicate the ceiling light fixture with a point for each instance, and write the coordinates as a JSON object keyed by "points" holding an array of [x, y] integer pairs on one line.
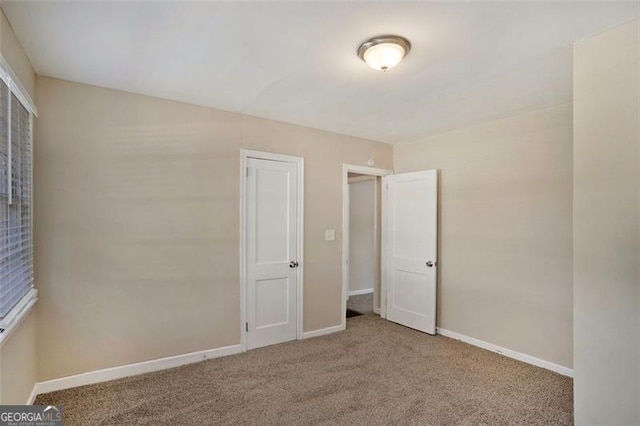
{"points": [[384, 52]]}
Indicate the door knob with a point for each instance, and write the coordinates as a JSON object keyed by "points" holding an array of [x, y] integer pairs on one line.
{"points": [[293, 264], [430, 264]]}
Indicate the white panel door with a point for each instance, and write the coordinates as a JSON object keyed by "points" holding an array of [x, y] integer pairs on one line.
{"points": [[411, 248], [271, 204]]}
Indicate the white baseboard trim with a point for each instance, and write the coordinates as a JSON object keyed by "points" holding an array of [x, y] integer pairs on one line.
{"points": [[32, 396], [119, 372], [565, 371], [360, 292], [322, 331]]}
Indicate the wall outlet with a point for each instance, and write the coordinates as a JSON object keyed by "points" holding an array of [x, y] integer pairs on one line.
{"points": [[329, 234]]}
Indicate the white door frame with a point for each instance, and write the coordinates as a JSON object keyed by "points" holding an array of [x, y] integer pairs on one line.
{"points": [[299, 161], [346, 169]]}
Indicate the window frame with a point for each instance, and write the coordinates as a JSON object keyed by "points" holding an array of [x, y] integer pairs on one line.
{"points": [[23, 307]]}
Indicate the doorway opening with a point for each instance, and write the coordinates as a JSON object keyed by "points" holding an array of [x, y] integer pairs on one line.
{"points": [[361, 231], [364, 229]]}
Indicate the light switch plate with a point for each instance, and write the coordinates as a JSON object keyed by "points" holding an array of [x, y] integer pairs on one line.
{"points": [[329, 234]]}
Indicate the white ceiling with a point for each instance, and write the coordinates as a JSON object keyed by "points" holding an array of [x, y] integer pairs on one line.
{"points": [[296, 62]]}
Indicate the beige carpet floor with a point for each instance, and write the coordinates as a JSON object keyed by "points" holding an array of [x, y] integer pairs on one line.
{"points": [[374, 373], [362, 303]]}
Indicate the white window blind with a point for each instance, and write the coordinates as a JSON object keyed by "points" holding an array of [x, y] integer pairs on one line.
{"points": [[16, 254]]}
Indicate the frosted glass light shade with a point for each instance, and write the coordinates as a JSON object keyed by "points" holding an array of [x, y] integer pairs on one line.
{"points": [[384, 52], [384, 56]]}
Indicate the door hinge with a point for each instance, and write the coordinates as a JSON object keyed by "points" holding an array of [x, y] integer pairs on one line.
{"points": [[246, 324], [247, 172]]}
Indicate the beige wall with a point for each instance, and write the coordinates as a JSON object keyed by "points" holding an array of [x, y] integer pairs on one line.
{"points": [[14, 54], [17, 353], [362, 252], [137, 230], [18, 363], [505, 273], [607, 227]]}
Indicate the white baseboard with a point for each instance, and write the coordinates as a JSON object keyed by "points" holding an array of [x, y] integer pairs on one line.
{"points": [[565, 371], [360, 292], [119, 372], [32, 396], [322, 331]]}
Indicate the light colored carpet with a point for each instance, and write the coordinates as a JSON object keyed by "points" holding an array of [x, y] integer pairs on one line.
{"points": [[362, 303], [374, 373]]}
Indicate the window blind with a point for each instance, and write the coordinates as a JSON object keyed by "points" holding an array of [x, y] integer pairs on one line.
{"points": [[16, 254]]}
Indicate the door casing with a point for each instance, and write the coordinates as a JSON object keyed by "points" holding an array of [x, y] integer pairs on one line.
{"points": [[299, 161]]}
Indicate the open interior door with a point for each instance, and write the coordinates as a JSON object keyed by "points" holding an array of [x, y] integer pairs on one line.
{"points": [[409, 232]]}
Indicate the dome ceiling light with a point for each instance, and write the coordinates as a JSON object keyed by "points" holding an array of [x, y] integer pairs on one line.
{"points": [[384, 52]]}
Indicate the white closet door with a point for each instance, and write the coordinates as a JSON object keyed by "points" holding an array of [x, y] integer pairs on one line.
{"points": [[272, 189]]}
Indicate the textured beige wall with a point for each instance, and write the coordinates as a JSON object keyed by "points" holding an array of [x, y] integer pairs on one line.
{"points": [[14, 54], [137, 223], [607, 227], [18, 353], [505, 272], [362, 251], [18, 363]]}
